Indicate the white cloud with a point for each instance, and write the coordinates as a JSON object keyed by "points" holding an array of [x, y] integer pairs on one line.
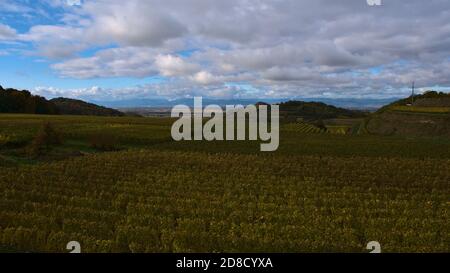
{"points": [[96, 92], [170, 65], [114, 62], [74, 2], [205, 78]]}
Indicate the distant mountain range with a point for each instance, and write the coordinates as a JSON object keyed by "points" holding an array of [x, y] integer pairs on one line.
{"points": [[365, 104], [165, 103]]}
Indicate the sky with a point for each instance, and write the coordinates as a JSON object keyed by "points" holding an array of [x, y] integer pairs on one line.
{"points": [[109, 50]]}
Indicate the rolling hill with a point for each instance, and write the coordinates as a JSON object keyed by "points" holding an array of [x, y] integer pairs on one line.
{"points": [[77, 107], [311, 111], [423, 115]]}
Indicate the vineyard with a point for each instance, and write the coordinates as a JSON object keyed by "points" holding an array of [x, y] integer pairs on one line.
{"points": [[304, 127], [320, 192]]}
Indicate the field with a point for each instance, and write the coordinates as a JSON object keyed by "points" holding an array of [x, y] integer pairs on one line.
{"points": [[318, 193]]}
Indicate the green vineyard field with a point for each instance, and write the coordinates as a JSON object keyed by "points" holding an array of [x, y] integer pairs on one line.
{"points": [[320, 192]]}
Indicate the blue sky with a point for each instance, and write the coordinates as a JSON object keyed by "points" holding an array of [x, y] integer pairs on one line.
{"points": [[114, 50]]}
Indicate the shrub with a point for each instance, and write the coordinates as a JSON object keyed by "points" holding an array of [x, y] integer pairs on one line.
{"points": [[4, 140], [320, 124], [45, 139]]}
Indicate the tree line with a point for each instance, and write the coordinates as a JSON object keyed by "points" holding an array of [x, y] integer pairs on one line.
{"points": [[22, 101]]}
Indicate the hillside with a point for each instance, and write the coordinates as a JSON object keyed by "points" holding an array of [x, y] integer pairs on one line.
{"points": [[23, 102], [16, 101], [423, 115], [77, 107], [311, 111], [427, 99]]}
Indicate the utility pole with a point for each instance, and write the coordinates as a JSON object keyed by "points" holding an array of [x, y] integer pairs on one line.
{"points": [[412, 93]]}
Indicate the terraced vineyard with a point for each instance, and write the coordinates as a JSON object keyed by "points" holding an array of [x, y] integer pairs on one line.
{"points": [[303, 127], [317, 193]]}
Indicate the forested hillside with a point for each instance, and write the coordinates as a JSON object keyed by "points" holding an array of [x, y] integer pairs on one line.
{"points": [[23, 102], [78, 107], [15, 101], [316, 111]]}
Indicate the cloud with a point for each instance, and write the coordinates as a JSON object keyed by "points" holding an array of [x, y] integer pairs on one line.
{"points": [[74, 2], [7, 33], [14, 6], [206, 78], [131, 23], [170, 65], [108, 63], [54, 42], [156, 90], [95, 92], [288, 48]]}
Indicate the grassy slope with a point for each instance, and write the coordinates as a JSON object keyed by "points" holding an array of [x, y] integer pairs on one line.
{"points": [[421, 109], [429, 116]]}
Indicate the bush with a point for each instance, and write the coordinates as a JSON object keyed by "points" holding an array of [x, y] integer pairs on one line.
{"points": [[4, 140], [45, 139], [320, 124], [104, 142]]}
